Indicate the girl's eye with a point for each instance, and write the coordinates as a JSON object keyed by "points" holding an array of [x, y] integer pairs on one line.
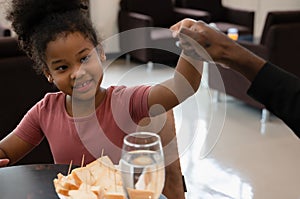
{"points": [[85, 59], [62, 68]]}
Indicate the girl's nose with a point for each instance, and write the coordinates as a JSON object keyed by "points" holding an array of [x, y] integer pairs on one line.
{"points": [[78, 72]]}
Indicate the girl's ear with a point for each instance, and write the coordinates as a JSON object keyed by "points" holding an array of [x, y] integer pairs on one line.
{"points": [[48, 76], [101, 53], [102, 56]]}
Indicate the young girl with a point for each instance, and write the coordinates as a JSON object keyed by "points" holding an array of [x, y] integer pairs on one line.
{"points": [[83, 118]]}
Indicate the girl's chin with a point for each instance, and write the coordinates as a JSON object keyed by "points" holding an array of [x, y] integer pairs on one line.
{"points": [[84, 97]]}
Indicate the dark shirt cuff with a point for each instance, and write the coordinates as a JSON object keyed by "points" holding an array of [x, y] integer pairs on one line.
{"points": [[268, 78], [279, 91]]}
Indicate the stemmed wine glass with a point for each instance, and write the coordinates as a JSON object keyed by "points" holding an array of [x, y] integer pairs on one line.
{"points": [[142, 166]]}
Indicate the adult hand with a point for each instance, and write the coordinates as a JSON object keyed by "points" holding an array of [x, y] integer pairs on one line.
{"points": [[4, 162], [192, 33], [219, 46]]}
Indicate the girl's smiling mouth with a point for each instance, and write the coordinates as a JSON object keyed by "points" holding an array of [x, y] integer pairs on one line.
{"points": [[83, 86]]}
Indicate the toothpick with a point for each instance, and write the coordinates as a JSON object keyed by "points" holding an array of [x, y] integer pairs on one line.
{"points": [[82, 160], [69, 171], [102, 153]]}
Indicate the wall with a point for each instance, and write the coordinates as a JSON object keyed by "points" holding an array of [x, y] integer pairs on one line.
{"points": [[104, 14], [105, 9], [261, 7], [2, 13]]}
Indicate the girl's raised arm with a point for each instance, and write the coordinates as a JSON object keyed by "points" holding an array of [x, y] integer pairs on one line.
{"points": [[183, 84]]}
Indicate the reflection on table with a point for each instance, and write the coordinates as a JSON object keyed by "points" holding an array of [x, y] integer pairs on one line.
{"points": [[30, 181]]}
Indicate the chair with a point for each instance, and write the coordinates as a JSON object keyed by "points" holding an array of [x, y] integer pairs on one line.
{"points": [[21, 89], [280, 41], [280, 44], [151, 44], [224, 17], [4, 31]]}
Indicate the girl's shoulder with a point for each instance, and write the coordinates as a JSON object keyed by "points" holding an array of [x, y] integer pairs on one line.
{"points": [[49, 104], [54, 96], [113, 90], [51, 99], [122, 94]]}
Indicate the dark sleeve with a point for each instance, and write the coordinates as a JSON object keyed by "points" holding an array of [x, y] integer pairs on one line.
{"points": [[279, 91]]}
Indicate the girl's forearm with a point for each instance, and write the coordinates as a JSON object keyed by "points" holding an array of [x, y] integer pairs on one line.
{"points": [[3, 154], [4, 161], [190, 69]]}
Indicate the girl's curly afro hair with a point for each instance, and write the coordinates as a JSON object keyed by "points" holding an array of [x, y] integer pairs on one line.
{"points": [[37, 22]]}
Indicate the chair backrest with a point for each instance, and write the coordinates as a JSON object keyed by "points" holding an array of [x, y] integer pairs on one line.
{"points": [[281, 37], [21, 89], [4, 31], [214, 7], [9, 48], [161, 11], [278, 17], [283, 44]]}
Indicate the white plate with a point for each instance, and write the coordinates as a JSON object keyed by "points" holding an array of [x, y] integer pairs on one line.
{"points": [[63, 197]]}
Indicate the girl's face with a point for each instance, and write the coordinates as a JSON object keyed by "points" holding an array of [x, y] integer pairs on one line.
{"points": [[74, 66]]}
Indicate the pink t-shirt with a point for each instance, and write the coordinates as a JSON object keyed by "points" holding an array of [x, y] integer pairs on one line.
{"points": [[103, 131]]}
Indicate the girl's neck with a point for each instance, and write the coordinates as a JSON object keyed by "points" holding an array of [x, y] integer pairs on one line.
{"points": [[81, 108]]}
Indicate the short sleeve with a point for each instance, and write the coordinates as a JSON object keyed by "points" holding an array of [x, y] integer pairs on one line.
{"points": [[132, 101], [29, 128], [139, 102]]}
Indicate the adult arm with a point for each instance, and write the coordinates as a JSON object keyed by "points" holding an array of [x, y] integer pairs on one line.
{"points": [[279, 91]]}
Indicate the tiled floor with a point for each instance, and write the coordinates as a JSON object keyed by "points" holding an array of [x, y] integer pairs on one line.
{"points": [[225, 150]]}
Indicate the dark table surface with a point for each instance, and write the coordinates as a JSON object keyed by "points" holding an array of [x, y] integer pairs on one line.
{"points": [[30, 181]]}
